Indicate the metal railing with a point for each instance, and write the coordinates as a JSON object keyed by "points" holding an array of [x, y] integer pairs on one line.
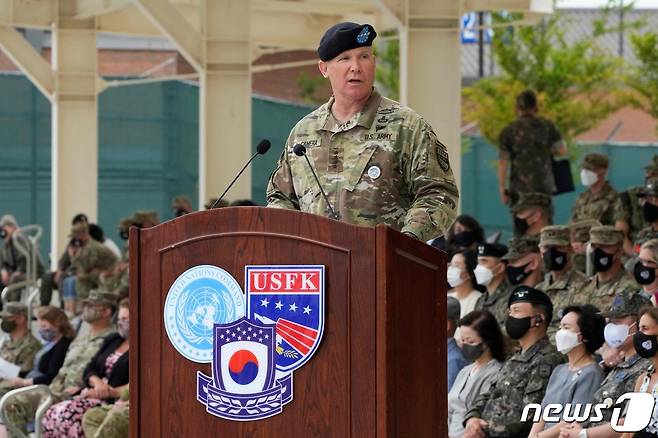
{"points": [[44, 404], [26, 241]]}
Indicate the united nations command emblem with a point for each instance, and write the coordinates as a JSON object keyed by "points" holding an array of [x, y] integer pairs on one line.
{"points": [[201, 297]]}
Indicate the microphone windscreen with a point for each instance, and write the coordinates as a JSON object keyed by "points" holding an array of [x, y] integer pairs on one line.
{"points": [[299, 150], [263, 146]]}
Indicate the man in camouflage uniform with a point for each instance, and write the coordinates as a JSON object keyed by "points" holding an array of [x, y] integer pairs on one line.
{"points": [[524, 264], [20, 347], [97, 312], [610, 275], [532, 212], [631, 201], [92, 260], [490, 272], [377, 161], [110, 421], [561, 279], [13, 263], [524, 376], [579, 239], [526, 148], [649, 201], [600, 201], [181, 205], [621, 378]]}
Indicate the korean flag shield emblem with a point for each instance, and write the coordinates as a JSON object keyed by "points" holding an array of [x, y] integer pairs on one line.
{"points": [[292, 298]]}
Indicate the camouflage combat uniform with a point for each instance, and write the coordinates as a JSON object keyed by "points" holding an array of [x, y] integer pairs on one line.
{"points": [[561, 293], [21, 409], [630, 199], [385, 165], [605, 206], [109, 421], [521, 381], [600, 295], [93, 258], [496, 302], [528, 144], [21, 353]]}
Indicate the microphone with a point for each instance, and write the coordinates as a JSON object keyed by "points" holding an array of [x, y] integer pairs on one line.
{"points": [[261, 149], [300, 150]]}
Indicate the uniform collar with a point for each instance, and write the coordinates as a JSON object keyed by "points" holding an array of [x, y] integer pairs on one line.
{"points": [[364, 118], [532, 351]]}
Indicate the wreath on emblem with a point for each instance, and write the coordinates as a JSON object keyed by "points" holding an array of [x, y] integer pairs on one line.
{"points": [[182, 323]]}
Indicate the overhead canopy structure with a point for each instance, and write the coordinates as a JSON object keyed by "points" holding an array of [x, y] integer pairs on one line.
{"points": [[220, 39]]}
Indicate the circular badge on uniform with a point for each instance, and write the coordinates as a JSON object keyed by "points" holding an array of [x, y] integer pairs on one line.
{"points": [[374, 172], [199, 298]]}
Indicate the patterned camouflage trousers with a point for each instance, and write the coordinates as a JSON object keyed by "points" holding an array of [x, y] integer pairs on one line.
{"points": [[110, 421], [20, 410]]}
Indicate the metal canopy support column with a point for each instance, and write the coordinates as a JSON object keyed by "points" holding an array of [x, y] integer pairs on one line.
{"points": [[430, 43], [225, 99], [74, 125]]}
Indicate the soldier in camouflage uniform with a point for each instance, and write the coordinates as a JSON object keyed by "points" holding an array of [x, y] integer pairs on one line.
{"points": [[600, 201], [649, 200], [181, 205], [631, 201], [490, 272], [13, 263], [621, 378], [377, 161], [97, 312], [579, 240], [20, 347], [610, 275], [524, 264], [110, 421], [532, 212], [526, 149], [92, 260], [561, 279], [523, 377]]}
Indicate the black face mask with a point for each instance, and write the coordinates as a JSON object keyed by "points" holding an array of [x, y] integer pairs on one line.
{"points": [[554, 260], [516, 274], [8, 326], [645, 345], [180, 212], [76, 242], [517, 327], [465, 238], [472, 352], [644, 275], [602, 260], [3, 233], [521, 225], [650, 212], [123, 235]]}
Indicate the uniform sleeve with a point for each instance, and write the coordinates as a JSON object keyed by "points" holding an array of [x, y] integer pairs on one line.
{"points": [[618, 211], [431, 184], [26, 357], [280, 189]]}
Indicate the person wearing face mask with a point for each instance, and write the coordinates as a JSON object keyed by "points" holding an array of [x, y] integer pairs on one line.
{"points": [[181, 205], [645, 269], [523, 378], [465, 233], [97, 312], [483, 345], [600, 201], [649, 201], [580, 335], [105, 377], [622, 318], [56, 333], [631, 201], [606, 242], [490, 272], [20, 347], [531, 213], [461, 280], [560, 279], [524, 263], [579, 239], [13, 263]]}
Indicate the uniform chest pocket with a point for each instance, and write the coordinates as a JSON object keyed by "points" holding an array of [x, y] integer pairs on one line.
{"points": [[359, 169]]}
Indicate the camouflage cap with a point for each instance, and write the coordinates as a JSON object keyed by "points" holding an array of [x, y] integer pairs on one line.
{"points": [[532, 200], [625, 303], [594, 161], [13, 309], [521, 246], [605, 235], [650, 188], [78, 230], [555, 235], [145, 219], [101, 296], [8, 219], [580, 229], [181, 202], [652, 167]]}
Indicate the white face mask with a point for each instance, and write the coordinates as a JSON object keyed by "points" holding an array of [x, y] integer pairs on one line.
{"points": [[616, 334], [454, 276], [566, 340], [588, 178], [483, 275]]}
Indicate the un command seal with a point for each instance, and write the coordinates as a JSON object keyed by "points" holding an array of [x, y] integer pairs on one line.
{"points": [[198, 299]]}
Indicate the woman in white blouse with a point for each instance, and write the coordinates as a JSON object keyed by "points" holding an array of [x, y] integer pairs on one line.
{"points": [[461, 278], [483, 344]]}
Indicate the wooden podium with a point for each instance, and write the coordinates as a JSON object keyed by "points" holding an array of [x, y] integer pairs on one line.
{"points": [[380, 369]]}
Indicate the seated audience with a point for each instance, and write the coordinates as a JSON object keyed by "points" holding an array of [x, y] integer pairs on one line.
{"points": [[456, 360]]}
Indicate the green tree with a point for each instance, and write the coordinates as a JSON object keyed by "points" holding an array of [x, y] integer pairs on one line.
{"points": [[577, 83], [644, 76], [309, 87], [388, 65]]}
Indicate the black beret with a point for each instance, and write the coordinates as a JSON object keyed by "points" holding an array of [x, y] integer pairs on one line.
{"points": [[345, 36], [491, 250], [527, 294]]}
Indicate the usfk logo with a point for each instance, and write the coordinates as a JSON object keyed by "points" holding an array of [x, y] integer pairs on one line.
{"points": [[201, 297]]}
